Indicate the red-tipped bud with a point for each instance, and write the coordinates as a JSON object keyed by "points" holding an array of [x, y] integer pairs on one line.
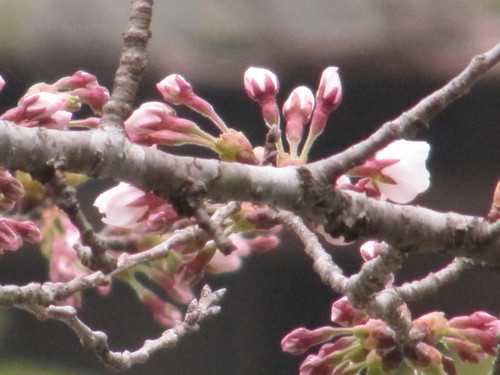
{"points": [[346, 315], [2, 83], [328, 98], [262, 86], [157, 123], [297, 110], [301, 339], [175, 89], [12, 232], [11, 190], [369, 250]]}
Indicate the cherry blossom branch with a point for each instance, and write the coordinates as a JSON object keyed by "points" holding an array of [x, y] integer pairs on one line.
{"points": [[345, 213], [48, 293], [373, 276], [133, 61], [197, 311], [206, 223], [409, 122], [331, 274], [430, 284], [66, 200]]}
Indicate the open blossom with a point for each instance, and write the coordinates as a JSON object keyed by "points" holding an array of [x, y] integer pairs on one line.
{"points": [[126, 206], [398, 171]]}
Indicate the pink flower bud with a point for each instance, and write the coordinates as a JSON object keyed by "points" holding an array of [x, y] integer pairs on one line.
{"points": [[85, 86], [297, 110], [328, 98], [262, 86], [346, 315], [11, 190], [79, 79], [479, 328], [59, 120], [43, 104], [369, 250], [175, 89], [157, 123], [2, 83], [330, 89], [301, 339], [12, 232]]}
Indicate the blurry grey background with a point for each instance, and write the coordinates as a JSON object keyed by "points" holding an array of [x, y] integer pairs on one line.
{"points": [[390, 54]]}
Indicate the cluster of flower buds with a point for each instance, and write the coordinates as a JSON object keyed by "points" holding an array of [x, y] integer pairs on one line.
{"points": [[370, 343], [128, 208], [52, 105], [60, 247]]}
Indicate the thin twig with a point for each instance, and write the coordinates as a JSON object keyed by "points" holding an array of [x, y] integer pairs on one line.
{"points": [[133, 61], [66, 200], [206, 223], [409, 122], [430, 284], [328, 271], [198, 310]]}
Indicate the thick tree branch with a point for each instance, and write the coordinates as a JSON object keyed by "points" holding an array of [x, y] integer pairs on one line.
{"points": [[345, 213]]}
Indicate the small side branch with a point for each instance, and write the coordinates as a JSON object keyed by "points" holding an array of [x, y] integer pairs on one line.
{"points": [[198, 310], [328, 271], [431, 283], [408, 123], [66, 200], [133, 61]]}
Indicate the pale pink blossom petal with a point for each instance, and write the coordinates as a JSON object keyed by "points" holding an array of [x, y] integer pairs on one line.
{"points": [[115, 205], [409, 174]]}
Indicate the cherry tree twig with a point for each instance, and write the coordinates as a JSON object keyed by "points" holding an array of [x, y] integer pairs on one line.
{"points": [[133, 61], [66, 200], [197, 311], [331, 274], [408, 123], [419, 289], [48, 293]]}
